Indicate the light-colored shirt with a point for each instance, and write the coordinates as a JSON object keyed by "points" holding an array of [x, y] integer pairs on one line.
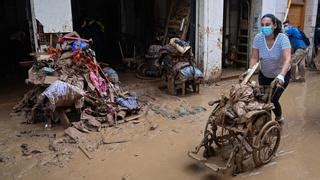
{"points": [[271, 59]]}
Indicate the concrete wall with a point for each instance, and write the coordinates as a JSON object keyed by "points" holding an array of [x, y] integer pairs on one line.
{"points": [[281, 8], [268, 6], [254, 24], [209, 37], [311, 9], [276, 7]]}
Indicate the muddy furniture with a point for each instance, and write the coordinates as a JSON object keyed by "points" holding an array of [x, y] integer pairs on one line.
{"points": [[179, 68], [240, 127], [174, 86], [181, 82]]}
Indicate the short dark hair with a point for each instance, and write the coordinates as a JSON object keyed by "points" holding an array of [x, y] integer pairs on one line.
{"points": [[286, 22], [276, 22]]}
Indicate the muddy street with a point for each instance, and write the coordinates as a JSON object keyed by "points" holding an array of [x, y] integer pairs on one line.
{"points": [[155, 147]]}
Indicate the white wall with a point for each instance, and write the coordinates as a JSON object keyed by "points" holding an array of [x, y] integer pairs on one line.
{"points": [[209, 37], [268, 6], [310, 20], [54, 15], [276, 7], [281, 8]]}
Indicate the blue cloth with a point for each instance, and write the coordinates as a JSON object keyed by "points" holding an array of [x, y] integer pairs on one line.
{"points": [[295, 38], [79, 45], [271, 59], [111, 74], [190, 72], [129, 102]]}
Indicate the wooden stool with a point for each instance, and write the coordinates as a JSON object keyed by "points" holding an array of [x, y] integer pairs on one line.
{"points": [[174, 85]]}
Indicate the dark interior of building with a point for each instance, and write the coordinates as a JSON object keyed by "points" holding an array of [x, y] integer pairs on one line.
{"points": [[136, 24], [235, 33], [15, 37]]}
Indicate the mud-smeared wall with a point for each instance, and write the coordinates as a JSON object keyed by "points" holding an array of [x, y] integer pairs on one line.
{"points": [[209, 40]]}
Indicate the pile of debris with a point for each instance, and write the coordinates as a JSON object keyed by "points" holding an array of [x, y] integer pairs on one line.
{"points": [[178, 61], [70, 84], [174, 59], [244, 101], [173, 62]]}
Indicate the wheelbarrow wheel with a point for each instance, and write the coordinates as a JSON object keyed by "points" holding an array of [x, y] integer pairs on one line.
{"points": [[268, 143]]}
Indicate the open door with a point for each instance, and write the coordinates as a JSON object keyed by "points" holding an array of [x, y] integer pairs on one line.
{"points": [[296, 13]]}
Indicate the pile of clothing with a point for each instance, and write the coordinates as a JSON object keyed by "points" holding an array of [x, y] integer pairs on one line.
{"points": [[68, 80]]}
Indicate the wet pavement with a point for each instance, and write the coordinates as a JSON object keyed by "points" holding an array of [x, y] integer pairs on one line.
{"points": [[161, 153]]}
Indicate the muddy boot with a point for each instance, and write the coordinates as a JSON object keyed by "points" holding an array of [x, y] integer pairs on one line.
{"points": [[302, 73], [293, 73]]}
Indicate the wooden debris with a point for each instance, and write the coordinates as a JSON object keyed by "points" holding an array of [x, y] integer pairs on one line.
{"points": [[121, 115], [75, 134], [115, 142], [85, 152], [134, 117]]}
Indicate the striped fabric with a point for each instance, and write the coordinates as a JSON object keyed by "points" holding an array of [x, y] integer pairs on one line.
{"points": [[271, 59]]}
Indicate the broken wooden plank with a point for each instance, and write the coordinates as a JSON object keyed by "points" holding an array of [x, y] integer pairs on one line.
{"points": [[75, 134], [134, 117], [85, 152], [115, 142]]}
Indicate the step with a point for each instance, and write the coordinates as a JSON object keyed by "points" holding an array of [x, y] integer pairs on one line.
{"points": [[242, 44], [174, 26], [242, 62], [243, 36], [242, 53]]}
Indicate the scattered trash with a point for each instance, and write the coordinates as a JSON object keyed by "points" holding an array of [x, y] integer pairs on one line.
{"points": [[25, 149], [74, 134], [111, 74], [85, 152], [154, 127], [70, 87], [129, 102], [181, 111]]}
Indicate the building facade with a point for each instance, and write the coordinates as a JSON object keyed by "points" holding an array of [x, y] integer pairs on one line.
{"points": [[217, 31], [209, 33]]}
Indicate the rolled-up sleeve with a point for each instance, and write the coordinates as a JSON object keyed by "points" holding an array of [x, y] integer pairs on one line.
{"points": [[285, 44], [255, 43]]}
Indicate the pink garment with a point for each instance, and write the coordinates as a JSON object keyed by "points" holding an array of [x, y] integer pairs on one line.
{"points": [[98, 82]]}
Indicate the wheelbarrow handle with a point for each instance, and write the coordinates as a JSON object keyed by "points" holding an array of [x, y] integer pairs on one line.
{"points": [[275, 84]]}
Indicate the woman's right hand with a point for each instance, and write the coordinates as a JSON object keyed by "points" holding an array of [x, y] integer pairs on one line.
{"points": [[243, 75]]}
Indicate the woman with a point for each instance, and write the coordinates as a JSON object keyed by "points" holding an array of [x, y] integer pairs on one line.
{"points": [[273, 49]]}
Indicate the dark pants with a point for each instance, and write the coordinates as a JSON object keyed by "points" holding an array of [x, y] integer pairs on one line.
{"points": [[276, 92]]}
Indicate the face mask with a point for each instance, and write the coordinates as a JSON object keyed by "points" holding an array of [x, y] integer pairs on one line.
{"points": [[266, 30], [286, 28]]}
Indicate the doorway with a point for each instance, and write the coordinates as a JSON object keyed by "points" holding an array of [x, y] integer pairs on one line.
{"points": [[235, 37]]}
